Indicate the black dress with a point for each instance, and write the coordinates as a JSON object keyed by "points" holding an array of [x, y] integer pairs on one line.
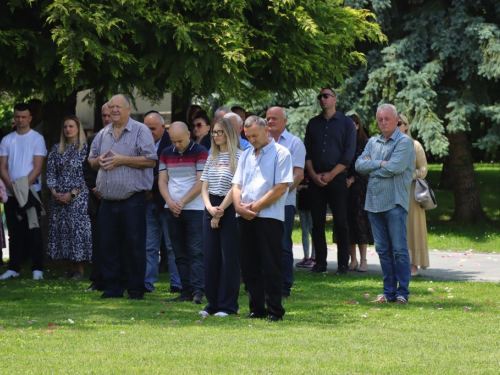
{"points": [[360, 230]]}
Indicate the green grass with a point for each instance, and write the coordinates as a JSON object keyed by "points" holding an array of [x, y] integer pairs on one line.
{"points": [[444, 234], [329, 327]]}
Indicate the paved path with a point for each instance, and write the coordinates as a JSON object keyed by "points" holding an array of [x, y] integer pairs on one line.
{"points": [[444, 265]]}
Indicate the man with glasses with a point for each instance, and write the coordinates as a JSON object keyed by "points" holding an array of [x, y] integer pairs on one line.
{"points": [[330, 143]]}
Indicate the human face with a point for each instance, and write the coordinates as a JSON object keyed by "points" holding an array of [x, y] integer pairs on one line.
{"points": [[275, 121], [403, 127], [219, 140], [155, 126], [241, 113], [70, 129], [387, 122], [327, 103], [257, 136], [200, 128], [106, 116], [22, 119], [120, 112], [180, 139]]}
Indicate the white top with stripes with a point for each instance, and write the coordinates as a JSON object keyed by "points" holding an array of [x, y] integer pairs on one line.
{"points": [[218, 174]]}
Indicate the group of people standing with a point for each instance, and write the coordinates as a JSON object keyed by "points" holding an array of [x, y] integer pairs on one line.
{"points": [[220, 197]]}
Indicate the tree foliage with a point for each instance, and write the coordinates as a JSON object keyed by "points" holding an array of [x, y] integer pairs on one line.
{"points": [[57, 47]]}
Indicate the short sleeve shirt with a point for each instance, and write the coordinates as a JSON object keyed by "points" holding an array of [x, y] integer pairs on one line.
{"points": [[20, 150], [182, 171], [258, 175], [298, 152], [123, 181], [218, 173]]}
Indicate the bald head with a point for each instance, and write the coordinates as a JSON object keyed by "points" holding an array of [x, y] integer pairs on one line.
{"points": [[119, 105], [179, 135]]}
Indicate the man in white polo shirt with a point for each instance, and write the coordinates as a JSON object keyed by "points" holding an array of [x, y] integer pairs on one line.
{"points": [[22, 153], [276, 122], [261, 183]]}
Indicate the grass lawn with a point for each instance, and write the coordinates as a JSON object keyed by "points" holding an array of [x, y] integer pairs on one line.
{"points": [[443, 234], [53, 326]]}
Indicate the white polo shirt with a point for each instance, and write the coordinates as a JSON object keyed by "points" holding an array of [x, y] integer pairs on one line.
{"points": [[259, 175], [20, 150]]}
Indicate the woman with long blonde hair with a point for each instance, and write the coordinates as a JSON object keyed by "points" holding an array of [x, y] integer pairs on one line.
{"points": [[220, 239], [416, 226], [69, 225]]}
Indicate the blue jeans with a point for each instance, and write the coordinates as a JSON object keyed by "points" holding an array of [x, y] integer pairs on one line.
{"points": [[287, 245], [389, 232], [123, 244], [306, 226], [156, 221], [186, 235]]}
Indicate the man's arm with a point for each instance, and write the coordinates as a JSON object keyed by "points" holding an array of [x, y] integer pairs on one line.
{"points": [[4, 173], [313, 175], [194, 191], [243, 209], [298, 175], [402, 155], [37, 169], [270, 198], [163, 186], [110, 160], [364, 163]]}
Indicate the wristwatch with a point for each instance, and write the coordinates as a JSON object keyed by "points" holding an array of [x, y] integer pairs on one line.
{"points": [[74, 193]]}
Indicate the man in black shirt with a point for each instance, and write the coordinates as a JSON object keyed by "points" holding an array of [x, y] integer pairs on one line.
{"points": [[330, 145]]}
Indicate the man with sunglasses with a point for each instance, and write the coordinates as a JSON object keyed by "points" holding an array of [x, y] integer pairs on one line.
{"points": [[330, 145]]}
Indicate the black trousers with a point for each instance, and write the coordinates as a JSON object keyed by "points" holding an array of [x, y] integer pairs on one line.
{"points": [[96, 275], [334, 195], [20, 236], [261, 251], [221, 260]]}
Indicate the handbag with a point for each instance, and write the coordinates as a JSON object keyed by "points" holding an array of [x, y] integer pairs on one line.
{"points": [[424, 195]]}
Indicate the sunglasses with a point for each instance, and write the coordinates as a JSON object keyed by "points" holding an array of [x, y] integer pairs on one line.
{"points": [[400, 123], [324, 96], [217, 133], [199, 125]]}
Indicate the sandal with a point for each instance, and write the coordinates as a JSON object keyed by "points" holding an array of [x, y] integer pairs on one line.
{"points": [[353, 268], [363, 269]]}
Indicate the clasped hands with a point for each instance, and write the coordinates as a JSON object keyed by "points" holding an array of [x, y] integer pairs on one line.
{"points": [[322, 179], [61, 198], [247, 211], [110, 160]]}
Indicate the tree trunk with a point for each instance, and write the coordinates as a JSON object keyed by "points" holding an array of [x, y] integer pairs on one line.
{"points": [[446, 181], [467, 205], [180, 104], [99, 101]]}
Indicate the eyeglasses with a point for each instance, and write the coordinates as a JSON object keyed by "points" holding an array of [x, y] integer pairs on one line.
{"points": [[199, 125], [217, 133], [400, 123], [325, 96]]}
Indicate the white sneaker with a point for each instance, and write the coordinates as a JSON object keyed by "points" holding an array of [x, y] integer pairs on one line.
{"points": [[9, 274], [221, 313], [203, 312], [37, 275]]}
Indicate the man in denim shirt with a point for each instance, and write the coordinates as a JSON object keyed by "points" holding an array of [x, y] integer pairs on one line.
{"points": [[389, 160]]}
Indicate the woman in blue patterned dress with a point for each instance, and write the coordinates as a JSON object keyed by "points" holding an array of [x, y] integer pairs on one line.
{"points": [[69, 225]]}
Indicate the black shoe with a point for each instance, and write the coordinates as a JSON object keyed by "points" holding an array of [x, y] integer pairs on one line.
{"points": [[91, 288], [342, 271], [274, 318], [181, 298], [256, 316], [318, 269], [285, 295], [198, 298], [175, 289], [106, 295], [135, 296]]}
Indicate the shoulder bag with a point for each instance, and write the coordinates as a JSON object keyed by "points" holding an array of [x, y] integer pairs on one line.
{"points": [[424, 195]]}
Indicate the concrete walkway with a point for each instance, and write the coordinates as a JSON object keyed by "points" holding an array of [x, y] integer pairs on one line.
{"points": [[444, 265]]}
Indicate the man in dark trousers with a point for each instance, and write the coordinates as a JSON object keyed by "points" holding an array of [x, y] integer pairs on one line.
{"points": [[330, 145]]}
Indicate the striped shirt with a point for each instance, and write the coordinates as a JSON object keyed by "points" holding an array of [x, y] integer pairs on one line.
{"points": [[182, 171], [218, 174], [389, 185], [123, 181]]}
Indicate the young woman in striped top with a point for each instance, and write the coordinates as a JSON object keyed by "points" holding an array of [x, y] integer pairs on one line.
{"points": [[220, 239]]}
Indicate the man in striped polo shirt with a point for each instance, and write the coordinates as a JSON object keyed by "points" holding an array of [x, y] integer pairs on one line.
{"points": [[181, 166]]}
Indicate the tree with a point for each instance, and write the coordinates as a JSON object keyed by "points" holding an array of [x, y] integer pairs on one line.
{"points": [[439, 68], [58, 47]]}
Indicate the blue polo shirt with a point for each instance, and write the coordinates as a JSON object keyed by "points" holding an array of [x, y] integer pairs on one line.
{"points": [[258, 175]]}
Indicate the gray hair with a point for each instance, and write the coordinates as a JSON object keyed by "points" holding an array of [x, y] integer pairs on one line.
{"points": [[104, 105], [232, 114], [126, 98], [387, 106], [282, 109], [158, 117], [221, 109], [255, 120]]}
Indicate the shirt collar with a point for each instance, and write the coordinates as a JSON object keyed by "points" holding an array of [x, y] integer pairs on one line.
{"points": [[128, 127], [393, 136], [266, 148]]}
